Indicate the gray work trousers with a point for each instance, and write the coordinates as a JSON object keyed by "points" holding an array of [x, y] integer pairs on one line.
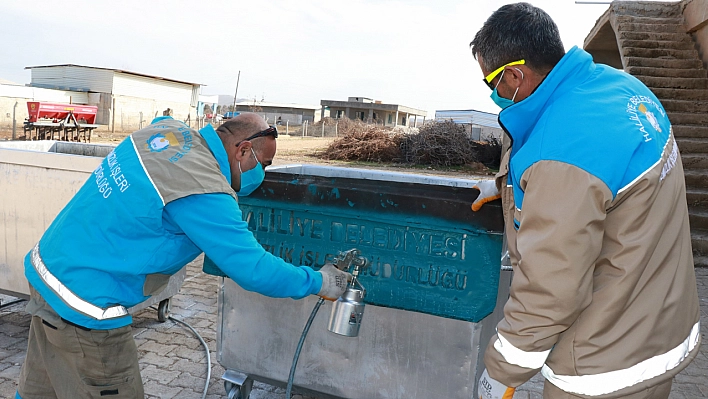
{"points": [[65, 361]]}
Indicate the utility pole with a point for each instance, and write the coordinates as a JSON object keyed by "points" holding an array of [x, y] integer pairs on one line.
{"points": [[14, 122], [236, 93]]}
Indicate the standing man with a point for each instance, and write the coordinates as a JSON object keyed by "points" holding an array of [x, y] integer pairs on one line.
{"points": [[166, 194], [603, 299]]}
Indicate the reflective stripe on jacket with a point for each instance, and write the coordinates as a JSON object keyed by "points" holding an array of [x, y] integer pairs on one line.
{"points": [[604, 296]]}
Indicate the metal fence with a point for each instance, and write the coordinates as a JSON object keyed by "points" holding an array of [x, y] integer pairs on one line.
{"points": [[308, 129]]}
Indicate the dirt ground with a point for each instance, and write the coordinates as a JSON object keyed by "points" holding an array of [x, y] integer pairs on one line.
{"points": [[304, 150]]}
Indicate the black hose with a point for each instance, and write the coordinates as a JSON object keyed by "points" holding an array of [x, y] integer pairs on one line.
{"points": [[299, 347], [11, 303]]}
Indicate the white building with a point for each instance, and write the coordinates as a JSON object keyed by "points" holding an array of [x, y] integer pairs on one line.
{"points": [[479, 125], [126, 100], [373, 111]]}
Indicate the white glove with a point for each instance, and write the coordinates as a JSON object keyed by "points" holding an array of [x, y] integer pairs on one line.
{"points": [[489, 388], [487, 192], [334, 282]]}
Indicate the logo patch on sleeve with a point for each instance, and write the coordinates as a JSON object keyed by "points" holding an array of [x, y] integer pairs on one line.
{"points": [[643, 109]]}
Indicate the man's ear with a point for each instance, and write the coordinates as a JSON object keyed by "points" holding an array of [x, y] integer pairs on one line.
{"points": [[243, 149], [517, 76]]}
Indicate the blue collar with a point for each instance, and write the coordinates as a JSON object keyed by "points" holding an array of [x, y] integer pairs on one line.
{"points": [[217, 148], [162, 118], [520, 119]]}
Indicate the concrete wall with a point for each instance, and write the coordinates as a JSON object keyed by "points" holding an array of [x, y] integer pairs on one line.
{"points": [[382, 117], [695, 13], [6, 107], [128, 109], [291, 119], [104, 102], [127, 112], [283, 115], [410, 121], [273, 117]]}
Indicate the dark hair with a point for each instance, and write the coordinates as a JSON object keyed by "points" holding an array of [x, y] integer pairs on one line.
{"points": [[239, 128], [515, 32]]}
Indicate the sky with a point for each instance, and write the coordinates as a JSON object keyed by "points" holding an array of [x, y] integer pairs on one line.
{"points": [[414, 52]]}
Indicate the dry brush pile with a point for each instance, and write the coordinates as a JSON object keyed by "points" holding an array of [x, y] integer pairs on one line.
{"points": [[437, 143], [366, 143]]}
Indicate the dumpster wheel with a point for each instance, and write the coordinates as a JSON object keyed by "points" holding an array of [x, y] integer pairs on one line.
{"points": [[232, 392], [163, 310], [237, 385]]}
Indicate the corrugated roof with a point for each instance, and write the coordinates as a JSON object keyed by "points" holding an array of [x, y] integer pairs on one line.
{"points": [[469, 116], [117, 70]]}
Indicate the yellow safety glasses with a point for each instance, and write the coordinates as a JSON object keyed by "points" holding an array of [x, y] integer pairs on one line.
{"points": [[488, 79]]}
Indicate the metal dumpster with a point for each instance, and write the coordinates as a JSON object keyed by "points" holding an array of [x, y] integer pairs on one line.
{"points": [[434, 288], [38, 179]]}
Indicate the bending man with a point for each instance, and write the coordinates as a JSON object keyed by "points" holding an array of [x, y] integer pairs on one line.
{"points": [[166, 194]]}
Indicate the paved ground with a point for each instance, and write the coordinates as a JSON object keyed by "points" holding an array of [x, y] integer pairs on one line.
{"points": [[173, 362]]}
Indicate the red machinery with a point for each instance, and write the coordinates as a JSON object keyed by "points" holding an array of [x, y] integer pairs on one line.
{"points": [[70, 122]]}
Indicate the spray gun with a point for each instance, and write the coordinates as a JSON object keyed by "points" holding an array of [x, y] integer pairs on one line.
{"points": [[348, 310]]}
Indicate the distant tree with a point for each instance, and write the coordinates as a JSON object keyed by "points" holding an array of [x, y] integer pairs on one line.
{"points": [[207, 109]]}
